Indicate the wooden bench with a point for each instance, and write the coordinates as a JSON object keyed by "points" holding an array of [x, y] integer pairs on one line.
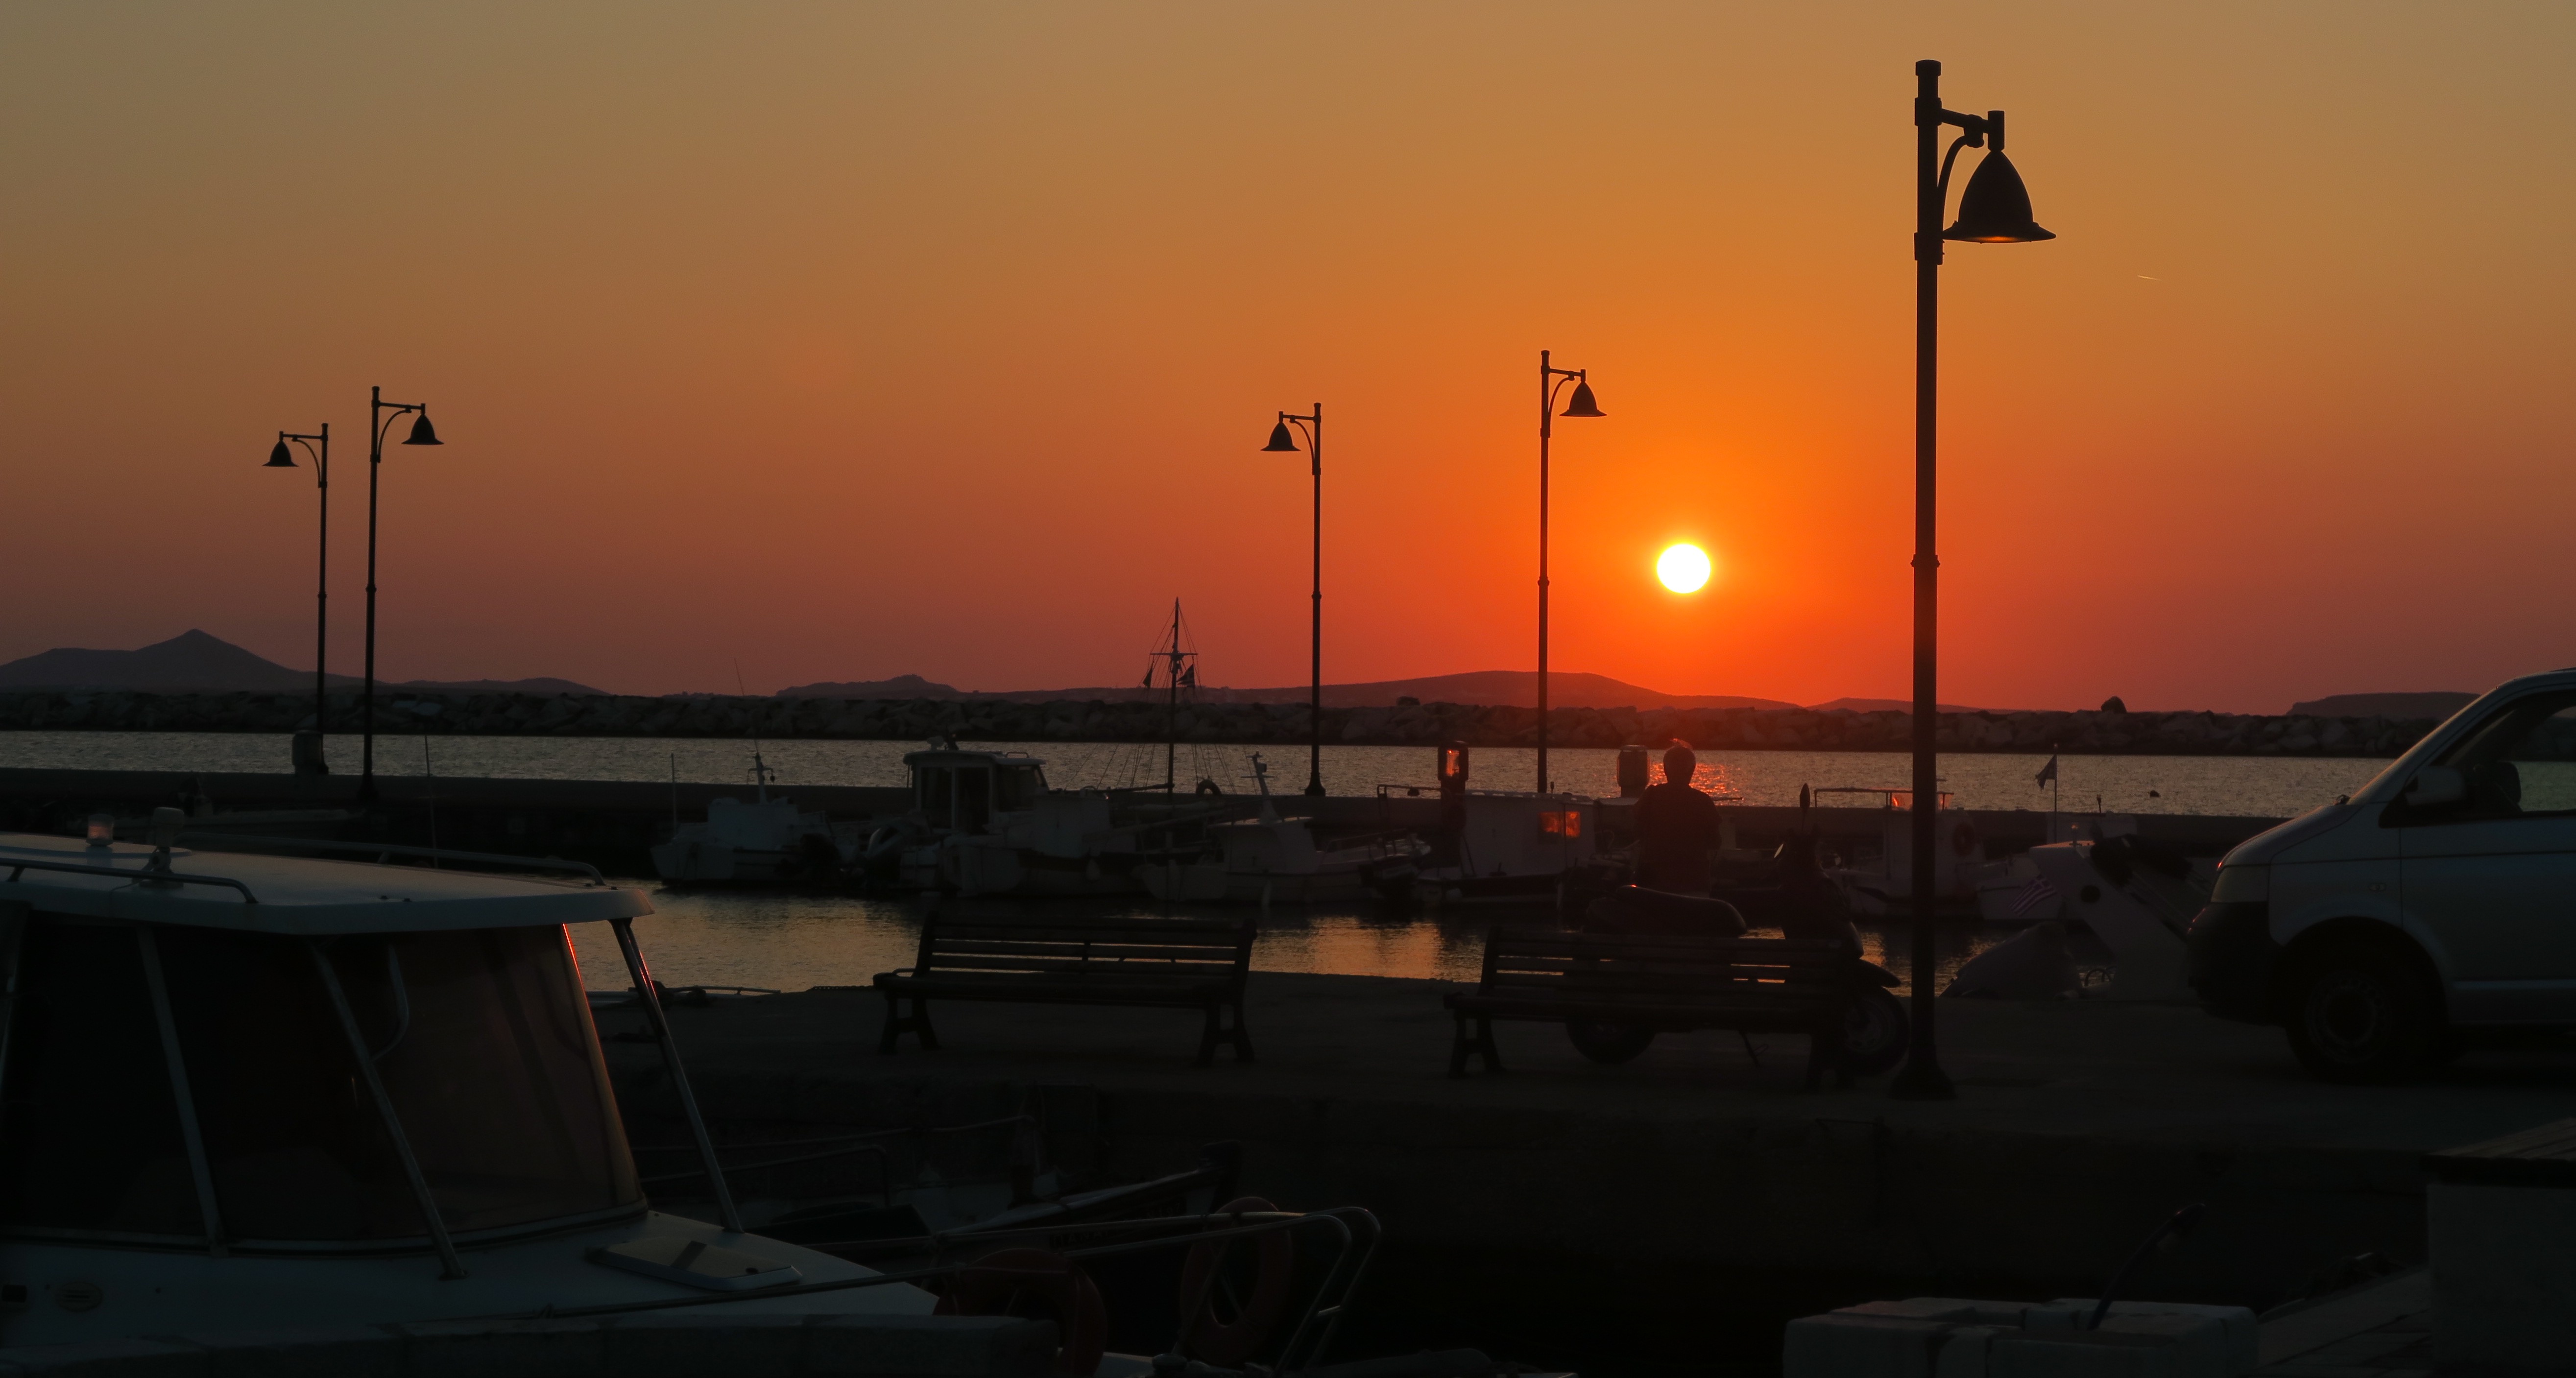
{"points": [[1660, 984], [1164, 963]]}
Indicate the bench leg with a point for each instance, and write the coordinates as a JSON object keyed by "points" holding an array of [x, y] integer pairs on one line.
{"points": [[1478, 1044], [896, 1023], [1241, 1040], [1824, 1050], [1217, 1031]]}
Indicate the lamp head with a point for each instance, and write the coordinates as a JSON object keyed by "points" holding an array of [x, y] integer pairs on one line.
{"points": [[1281, 440], [1581, 403], [281, 457], [422, 433], [1995, 209]]}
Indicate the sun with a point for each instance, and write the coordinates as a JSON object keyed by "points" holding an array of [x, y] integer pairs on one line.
{"points": [[1683, 568]]}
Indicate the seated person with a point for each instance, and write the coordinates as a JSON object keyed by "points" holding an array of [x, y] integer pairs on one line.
{"points": [[1676, 829]]}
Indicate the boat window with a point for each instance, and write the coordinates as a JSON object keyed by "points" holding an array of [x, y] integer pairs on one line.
{"points": [[484, 1042], [936, 786], [974, 799], [89, 1133], [1020, 787]]}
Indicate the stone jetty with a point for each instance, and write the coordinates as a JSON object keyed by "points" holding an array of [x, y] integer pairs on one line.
{"points": [[1731, 729]]}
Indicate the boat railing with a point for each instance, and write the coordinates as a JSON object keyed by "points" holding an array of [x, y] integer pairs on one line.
{"points": [[1354, 1228], [18, 867], [255, 844]]}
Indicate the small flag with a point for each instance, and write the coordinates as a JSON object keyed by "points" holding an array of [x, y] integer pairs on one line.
{"points": [[2048, 772], [2035, 894], [1149, 676]]}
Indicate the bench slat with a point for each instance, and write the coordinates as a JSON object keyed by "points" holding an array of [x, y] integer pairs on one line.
{"points": [[949, 961], [1098, 951]]}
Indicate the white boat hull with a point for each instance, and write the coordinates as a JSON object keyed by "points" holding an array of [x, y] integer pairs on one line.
{"points": [[159, 1292]]}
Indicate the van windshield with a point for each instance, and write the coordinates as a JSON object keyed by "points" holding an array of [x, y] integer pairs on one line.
{"points": [[483, 1040]]}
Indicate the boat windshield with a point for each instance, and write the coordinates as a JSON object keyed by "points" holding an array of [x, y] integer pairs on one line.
{"points": [[482, 1038], [1018, 788]]}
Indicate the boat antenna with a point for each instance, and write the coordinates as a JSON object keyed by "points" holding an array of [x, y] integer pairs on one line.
{"points": [[759, 768], [1172, 704]]}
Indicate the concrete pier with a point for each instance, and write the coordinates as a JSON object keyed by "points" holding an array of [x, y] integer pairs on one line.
{"points": [[2078, 1127]]}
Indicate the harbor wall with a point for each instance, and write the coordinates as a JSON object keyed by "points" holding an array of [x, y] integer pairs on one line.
{"points": [[1429, 724], [613, 823]]}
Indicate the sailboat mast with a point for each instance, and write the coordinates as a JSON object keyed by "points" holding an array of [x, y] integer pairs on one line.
{"points": [[1172, 709]]}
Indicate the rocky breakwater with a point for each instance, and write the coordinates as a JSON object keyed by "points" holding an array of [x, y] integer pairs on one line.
{"points": [[994, 720]]}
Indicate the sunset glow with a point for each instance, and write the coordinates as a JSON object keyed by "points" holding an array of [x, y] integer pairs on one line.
{"points": [[850, 341]]}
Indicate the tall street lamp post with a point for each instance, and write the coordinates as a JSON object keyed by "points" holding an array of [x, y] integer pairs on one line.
{"points": [[1282, 442], [1995, 209], [1550, 378], [284, 458], [381, 416]]}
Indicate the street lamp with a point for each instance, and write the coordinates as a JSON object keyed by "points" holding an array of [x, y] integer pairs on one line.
{"points": [[1281, 442], [1550, 378], [284, 458], [1995, 209], [422, 433]]}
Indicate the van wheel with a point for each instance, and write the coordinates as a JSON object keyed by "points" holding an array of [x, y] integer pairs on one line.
{"points": [[2360, 1015]]}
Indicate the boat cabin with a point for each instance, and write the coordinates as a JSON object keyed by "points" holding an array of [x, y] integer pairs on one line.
{"points": [[960, 790], [243, 1090]]}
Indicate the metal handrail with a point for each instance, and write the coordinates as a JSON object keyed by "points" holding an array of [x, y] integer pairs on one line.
{"points": [[531, 863], [17, 867]]}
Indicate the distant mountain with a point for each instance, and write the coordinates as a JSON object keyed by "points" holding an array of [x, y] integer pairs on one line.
{"points": [[1487, 687], [899, 687], [2404, 707], [199, 663], [1848, 705]]}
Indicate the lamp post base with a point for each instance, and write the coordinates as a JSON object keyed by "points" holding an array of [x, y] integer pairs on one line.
{"points": [[1922, 1079]]}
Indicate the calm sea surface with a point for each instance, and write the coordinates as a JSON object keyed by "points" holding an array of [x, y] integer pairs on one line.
{"points": [[790, 942]]}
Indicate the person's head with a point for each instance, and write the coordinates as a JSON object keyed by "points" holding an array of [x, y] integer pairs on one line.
{"points": [[1680, 765]]}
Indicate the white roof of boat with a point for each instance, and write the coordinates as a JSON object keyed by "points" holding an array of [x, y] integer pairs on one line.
{"points": [[292, 894]]}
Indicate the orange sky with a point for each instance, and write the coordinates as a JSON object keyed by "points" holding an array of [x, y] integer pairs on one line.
{"points": [[842, 341]]}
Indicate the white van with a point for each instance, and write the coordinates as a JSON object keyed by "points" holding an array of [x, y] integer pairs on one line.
{"points": [[2431, 909]]}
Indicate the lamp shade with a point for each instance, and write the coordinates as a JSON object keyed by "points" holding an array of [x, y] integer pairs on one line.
{"points": [[280, 458], [422, 433], [1581, 403], [1280, 439], [1995, 209]]}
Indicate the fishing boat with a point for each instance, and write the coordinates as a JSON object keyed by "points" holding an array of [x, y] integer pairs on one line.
{"points": [[253, 1091], [1882, 885], [1273, 860], [986, 823], [762, 841]]}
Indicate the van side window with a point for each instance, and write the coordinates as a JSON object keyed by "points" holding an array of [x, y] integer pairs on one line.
{"points": [[2520, 762]]}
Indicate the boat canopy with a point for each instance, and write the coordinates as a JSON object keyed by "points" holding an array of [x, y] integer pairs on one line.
{"points": [[300, 896]]}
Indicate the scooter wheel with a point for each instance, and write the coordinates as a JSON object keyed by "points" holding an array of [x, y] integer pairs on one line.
{"points": [[1876, 1033], [1610, 1044]]}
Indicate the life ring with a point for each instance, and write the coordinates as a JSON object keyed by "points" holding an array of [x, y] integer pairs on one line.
{"points": [[1963, 838], [1226, 1344], [1210, 787], [1036, 1285]]}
